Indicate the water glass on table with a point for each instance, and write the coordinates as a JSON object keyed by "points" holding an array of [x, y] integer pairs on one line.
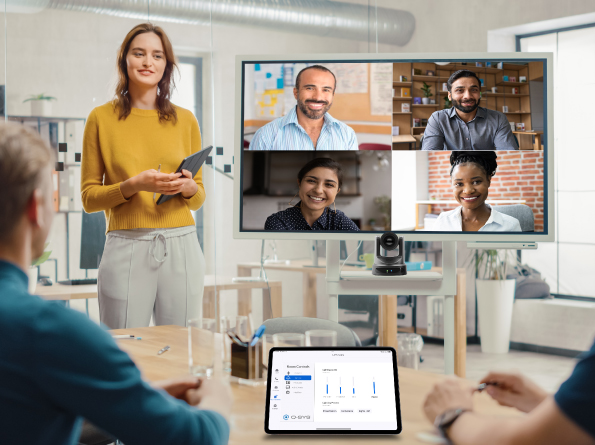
{"points": [[224, 326], [319, 337], [201, 346], [288, 340], [242, 327]]}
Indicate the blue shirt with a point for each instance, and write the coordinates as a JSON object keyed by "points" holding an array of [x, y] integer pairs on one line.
{"points": [[285, 133], [57, 366], [576, 396], [292, 219], [488, 130]]}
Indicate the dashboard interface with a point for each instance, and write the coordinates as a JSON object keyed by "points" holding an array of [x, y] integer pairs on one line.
{"points": [[333, 390]]}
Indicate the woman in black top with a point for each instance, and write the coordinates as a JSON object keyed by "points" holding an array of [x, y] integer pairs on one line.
{"points": [[319, 182]]}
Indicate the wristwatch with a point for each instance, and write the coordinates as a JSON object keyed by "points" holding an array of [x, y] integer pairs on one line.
{"points": [[446, 419]]}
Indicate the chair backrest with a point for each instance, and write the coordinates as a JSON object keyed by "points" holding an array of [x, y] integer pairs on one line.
{"points": [[521, 212], [299, 325], [375, 147]]}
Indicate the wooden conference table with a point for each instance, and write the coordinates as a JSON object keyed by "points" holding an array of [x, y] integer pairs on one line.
{"points": [[387, 304], [247, 422]]}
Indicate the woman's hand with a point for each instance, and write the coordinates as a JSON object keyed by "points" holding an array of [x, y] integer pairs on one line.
{"points": [[514, 390], [189, 187]]}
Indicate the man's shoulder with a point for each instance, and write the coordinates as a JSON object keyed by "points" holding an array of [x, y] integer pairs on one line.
{"points": [[342, 125], [275, 124], [441, 114], [494, 114]]}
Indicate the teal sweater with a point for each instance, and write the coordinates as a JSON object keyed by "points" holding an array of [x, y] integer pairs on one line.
{"points": [[57, 366]]}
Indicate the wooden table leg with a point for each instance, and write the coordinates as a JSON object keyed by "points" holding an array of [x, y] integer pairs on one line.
{"points": [[310, 294], [209, 304], [460, 325], [387, 320], [272, 300], [244, 295], [537, 142]]}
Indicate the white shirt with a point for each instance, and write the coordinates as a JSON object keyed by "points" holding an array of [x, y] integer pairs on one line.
{"points": [[452, 221]]}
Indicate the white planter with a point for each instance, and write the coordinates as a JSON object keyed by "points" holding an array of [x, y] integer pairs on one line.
{"points": [[33, 276], [425, 100], [41, 108], [495, 299]]}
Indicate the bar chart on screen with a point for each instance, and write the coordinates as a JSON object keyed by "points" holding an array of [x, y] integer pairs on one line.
{"points": [[354, 390]]}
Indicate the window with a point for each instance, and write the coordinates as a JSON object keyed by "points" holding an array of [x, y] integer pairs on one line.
{"points": [[567, 263]]}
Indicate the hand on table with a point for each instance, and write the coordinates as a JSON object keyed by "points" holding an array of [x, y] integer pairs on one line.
{"points": [[514, 390], [213, 394], [183, 388], [451, 393]]}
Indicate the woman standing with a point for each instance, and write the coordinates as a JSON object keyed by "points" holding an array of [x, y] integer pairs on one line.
{"points": [[152, 262]]}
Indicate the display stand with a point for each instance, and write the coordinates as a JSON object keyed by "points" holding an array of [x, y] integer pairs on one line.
{"points": [[414, 283]]}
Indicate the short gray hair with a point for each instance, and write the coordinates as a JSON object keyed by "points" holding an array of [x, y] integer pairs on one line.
{"points": [[24, 159]]}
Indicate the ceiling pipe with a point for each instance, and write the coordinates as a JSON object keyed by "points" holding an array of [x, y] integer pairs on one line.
{"points": [[314, 17]]}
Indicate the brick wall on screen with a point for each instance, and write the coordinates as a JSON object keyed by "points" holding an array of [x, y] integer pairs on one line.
{"points": [[519, 176]]}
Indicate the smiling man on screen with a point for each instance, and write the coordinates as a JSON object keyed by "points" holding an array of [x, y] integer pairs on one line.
{"points": [[466, 125], [308, 126]]}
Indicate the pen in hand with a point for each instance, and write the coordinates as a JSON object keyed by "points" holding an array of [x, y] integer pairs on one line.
{"points": [[483, 386], [158, 171]]}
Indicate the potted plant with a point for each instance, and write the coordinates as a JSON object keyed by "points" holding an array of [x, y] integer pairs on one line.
{"points": [[41, 104], [427, 89], [34, 269], [384, 205], [495, 298], [447, 102]]}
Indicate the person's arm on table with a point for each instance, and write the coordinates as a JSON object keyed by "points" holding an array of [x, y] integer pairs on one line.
{"points": [[79, 367], [433, 136], [545, 424]]}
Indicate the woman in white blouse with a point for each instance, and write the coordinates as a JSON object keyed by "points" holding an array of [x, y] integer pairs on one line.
{"points": [[471, 175]]}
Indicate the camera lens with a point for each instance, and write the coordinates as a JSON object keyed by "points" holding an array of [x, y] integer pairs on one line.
{"points": [[389, 241]]}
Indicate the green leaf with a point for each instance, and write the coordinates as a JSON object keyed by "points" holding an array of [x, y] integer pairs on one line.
{"points": [[41, 96], [42, 259]]}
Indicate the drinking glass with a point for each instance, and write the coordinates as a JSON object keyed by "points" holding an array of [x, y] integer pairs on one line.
{"points": [[224, 326], [201, 346], [242, 327], [267, 344], [320, 337], [288, 339]]}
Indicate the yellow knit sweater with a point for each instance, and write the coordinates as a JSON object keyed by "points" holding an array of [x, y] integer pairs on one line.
{"points": [[115, 150]]}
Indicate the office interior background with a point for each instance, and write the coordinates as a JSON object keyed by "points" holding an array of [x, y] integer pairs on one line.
{"points": [[67, 49]]}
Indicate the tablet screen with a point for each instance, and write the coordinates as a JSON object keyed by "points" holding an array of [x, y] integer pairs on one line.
{"points": [[325, 390]]}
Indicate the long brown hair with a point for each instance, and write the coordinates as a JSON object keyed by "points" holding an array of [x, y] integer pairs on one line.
{"points": [[165, 86]]}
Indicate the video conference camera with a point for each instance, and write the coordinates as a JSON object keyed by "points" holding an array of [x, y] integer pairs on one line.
{"points": [[389, 265]]}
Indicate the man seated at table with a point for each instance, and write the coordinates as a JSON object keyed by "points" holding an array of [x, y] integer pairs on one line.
{"points": [[308, 126], [466, 125], [563, 418], [57, 366]]}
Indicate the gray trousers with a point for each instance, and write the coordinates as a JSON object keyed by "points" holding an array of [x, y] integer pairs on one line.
{"points": [[146, 272]]}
